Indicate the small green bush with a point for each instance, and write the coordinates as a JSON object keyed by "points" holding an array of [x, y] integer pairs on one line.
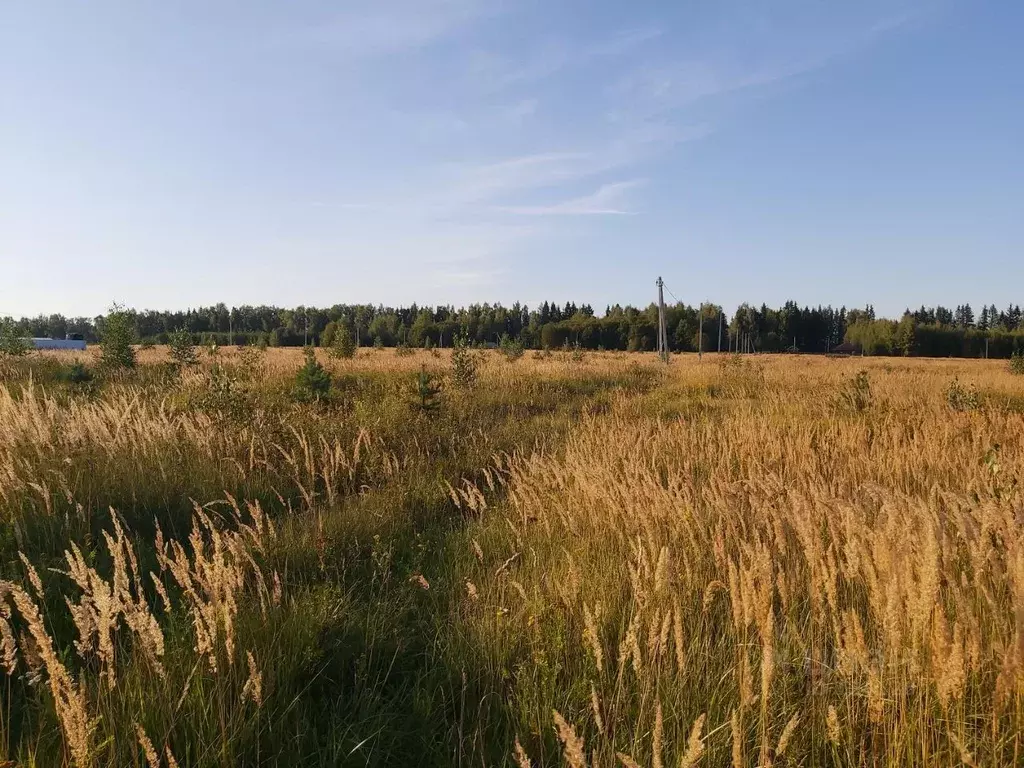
{"points": [[312, 382], [76, 373], [464, 363], [116, 339], [183, 351], [251, 363], [342, 345], [1017, 364], [11, 343], [961, 398], [427, 392], [511, 348]]}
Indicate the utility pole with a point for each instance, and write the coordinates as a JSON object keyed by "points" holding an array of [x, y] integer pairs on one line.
{"points": [[662, 336], [719, 331], [700, 331]]}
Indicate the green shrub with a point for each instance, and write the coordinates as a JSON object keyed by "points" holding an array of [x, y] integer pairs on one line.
{"points": [[76, 373], [511, 348], [224, 394], [403, 350], [251, 362], [342, 345], [327, 337], [312, 382], [116, 339], [427, 392], [1017, 364], [464, 363], [961, 398], [11, 343], [183, 351]]}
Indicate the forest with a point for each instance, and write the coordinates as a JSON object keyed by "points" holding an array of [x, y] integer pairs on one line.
{"points": [[925, 332]]}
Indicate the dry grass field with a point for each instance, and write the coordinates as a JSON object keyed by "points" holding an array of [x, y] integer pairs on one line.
{"points": [[573, 559]]}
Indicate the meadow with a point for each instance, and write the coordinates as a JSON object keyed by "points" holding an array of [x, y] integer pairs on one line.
{"points": [[565, 558]]}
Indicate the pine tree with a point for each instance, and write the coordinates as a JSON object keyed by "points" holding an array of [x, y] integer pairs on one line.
{"points": [[905, 332], [312, 382], [427, 391], [968, 316]]}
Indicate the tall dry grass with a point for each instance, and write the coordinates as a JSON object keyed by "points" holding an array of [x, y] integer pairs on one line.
{"points": [[142, 626], [121, 676], [746, 553], [579, 560]]}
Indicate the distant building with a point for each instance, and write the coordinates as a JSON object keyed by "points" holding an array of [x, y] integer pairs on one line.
{"points": [[73, 341], [846, 348]]}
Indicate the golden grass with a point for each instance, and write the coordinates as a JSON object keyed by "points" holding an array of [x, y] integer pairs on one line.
{"points": [[731, 562], [843, 586]]}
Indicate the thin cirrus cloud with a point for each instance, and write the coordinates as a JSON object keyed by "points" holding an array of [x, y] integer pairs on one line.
{"points": [[607, 200], [477, 192], [382, 27], [649, 96], [493, 71]]}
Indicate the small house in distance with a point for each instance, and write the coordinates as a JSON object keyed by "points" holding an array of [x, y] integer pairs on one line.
{"points": [[846, 349], [72, 341]]}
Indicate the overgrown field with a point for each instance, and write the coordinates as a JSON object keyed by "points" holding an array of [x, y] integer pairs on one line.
{"points": [[566, 558]]}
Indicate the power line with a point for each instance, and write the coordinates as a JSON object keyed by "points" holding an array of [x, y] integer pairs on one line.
{"points": [[672, 294]]}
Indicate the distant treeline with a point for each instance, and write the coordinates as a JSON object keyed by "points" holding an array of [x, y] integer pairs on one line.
{"points": [[935, 332]]}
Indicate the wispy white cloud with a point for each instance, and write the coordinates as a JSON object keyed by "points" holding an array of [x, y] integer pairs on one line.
{"points": [[493, 71], [607, 200], [472, 278], [474, 183], [380, 27], [520, 110], [773, 54], [646, 96]]}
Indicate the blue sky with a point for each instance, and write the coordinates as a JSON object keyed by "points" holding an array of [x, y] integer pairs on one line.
{"points": [[170, 154]]}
